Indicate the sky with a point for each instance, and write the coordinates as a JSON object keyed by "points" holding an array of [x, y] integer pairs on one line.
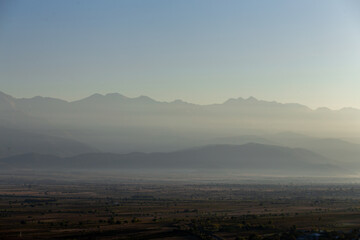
{"points": [[196, 50]]}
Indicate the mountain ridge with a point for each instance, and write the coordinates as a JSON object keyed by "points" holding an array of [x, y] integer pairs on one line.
{"points": [[251, 156], [119, 96], [116, 123], [16, 141]]}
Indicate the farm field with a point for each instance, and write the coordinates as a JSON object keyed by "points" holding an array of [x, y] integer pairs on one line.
{"points": [[74, 209]]}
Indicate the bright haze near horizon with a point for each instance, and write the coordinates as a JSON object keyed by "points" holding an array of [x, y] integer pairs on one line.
{"points": [[203, 52]]}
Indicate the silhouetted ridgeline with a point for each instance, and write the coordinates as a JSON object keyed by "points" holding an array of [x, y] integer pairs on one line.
{"points": [[119, 124], [254, 157]]}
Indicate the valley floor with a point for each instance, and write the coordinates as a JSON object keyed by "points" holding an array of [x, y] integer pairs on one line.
{"points": [[33, 207]]}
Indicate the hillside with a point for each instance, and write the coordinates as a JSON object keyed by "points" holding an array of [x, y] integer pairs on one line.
{"points": [[248, 157], [15, 142]]}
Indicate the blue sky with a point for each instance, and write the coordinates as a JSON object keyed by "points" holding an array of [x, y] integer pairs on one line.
{"points": [[199, 51]]}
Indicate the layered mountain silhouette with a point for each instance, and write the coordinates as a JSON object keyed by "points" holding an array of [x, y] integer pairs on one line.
{"points": [[247, 157], [14, 142], [336, 150], [119, 124]]}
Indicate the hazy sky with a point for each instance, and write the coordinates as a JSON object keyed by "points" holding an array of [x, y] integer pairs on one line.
{"points": [[200, 51]]}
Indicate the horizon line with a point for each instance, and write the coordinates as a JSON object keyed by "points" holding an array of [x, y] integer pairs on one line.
{"points": [[250, 98]]}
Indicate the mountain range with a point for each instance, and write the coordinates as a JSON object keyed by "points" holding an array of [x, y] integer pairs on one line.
{"points": [[14, 142], [115, 123], [256, 158]]}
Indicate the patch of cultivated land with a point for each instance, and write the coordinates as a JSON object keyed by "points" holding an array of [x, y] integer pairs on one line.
{"points": [[157, 210]]}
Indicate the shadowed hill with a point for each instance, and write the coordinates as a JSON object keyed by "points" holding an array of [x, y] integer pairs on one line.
{"points": [[337, 150], [14, 142], [247, 157], [116, 123]]}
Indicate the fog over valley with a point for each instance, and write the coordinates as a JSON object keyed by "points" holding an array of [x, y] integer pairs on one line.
{"points": [[115, 131]]}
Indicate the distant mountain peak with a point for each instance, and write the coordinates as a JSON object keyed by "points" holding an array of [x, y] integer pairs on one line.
{"points": [[234, 100], [2, 94], [44, 99], [115, 95], [180, 102], [252, 99], [95, 95], [144, 99], [249, 100], [6, 102]]}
